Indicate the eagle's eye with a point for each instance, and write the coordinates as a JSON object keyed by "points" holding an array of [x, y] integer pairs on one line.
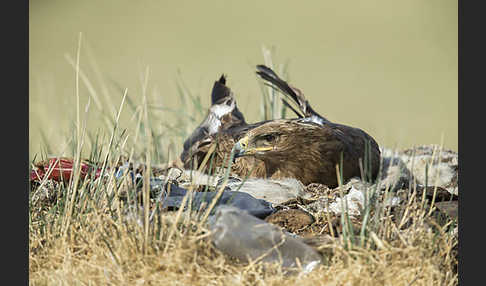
{"points": [[265, 140], [269, 137]]}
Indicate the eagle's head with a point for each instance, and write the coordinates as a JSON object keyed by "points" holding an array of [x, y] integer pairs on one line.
{"points": [[277, 139]]}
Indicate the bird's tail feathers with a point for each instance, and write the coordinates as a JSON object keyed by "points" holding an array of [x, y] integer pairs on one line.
{"points": [[294, 94]]}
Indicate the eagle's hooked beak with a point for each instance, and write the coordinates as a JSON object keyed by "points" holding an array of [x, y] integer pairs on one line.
{"points": [[241, 147]]}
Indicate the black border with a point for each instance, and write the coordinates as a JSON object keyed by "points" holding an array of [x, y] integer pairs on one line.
{"points": [[15, 136], [471, 144]]}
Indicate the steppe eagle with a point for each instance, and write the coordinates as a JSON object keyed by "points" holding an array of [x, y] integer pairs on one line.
{"points": [[307, 148]]}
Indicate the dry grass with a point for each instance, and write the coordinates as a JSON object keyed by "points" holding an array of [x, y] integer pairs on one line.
{"points": [[100, 248]]}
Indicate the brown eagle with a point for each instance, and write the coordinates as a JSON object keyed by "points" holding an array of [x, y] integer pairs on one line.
{"points": [[307, 148]]}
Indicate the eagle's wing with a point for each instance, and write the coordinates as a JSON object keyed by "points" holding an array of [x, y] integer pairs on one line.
{"points": [[222, 115], [293, 93]]}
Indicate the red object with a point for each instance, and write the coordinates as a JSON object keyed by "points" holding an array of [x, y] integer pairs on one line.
{"points": [[62, 169]]}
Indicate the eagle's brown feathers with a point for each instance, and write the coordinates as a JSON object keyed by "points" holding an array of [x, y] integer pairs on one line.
{"points": [[306, 148], [309, 151]]}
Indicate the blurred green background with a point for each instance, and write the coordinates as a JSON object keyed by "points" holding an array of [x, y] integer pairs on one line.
{"points": [[386, 66]]}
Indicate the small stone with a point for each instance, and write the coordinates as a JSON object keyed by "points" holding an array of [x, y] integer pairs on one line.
{"points": [[432, 166], [449, 208], [274, 191], [293, 220]]}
